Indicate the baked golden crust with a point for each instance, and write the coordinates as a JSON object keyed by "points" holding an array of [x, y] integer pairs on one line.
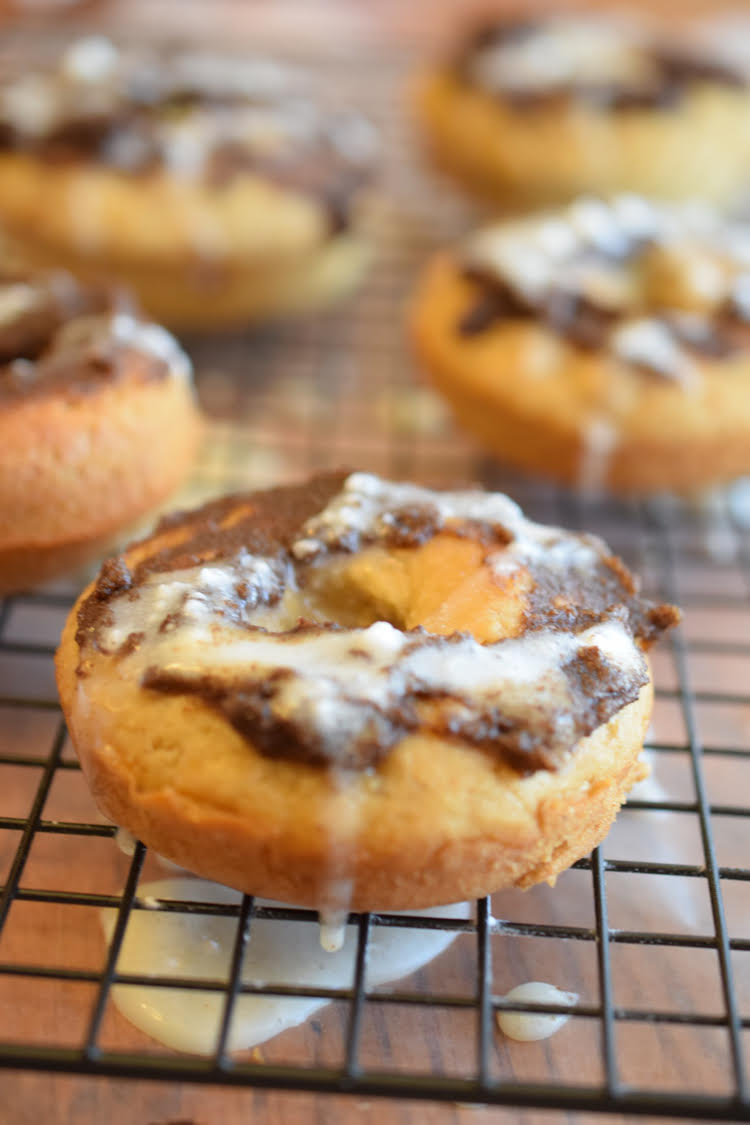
{"points": [[439, 817], [534, 399], [521, 158]]}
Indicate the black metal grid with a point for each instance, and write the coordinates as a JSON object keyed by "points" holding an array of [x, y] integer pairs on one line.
{"points": [[697, 557]]}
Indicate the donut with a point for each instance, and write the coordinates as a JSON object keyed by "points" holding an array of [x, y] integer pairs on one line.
{"points": [[211, 186], [532, 112], [98, 423], [605, 345], [357, 693]]}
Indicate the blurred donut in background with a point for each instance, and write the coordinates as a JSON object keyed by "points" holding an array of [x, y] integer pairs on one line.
{"points": [[605, 345], [211, 185], [536, 110], [98, 423]]}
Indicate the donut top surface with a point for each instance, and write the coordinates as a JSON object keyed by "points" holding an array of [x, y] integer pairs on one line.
{"points": [[195, 115], [611, 64], [657, 286], [60, 337], [320, 622]]}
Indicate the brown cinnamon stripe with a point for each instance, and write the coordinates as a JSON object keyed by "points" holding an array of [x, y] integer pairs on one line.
{"points": [[586, 324]]}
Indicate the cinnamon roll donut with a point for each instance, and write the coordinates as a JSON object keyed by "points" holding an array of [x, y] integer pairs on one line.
{"points": [[354, 692], [98, 423], [212, 186], [537, 111], [606, 345]]}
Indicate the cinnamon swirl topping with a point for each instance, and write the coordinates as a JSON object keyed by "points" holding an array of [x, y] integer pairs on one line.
{"points": [[264, 605]]}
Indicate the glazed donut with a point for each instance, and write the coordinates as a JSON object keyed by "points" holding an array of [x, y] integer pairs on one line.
{"points": [[357, 693], [98, 423], [211, 186], [537, 111], [605, 346]]}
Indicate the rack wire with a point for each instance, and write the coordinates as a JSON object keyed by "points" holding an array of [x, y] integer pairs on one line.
{"points": [[651, 930]]}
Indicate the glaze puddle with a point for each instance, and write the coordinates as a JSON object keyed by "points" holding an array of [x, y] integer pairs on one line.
{"points": [[279, 952], [528, 1027]]}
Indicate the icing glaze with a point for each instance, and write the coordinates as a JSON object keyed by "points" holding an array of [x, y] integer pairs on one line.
{"points": [[612, 63], [287, 953], [530, 1026]]}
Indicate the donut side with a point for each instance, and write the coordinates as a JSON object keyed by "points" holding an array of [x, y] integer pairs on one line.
{"points": [[197, 255], [519, 157], [437, 822]]}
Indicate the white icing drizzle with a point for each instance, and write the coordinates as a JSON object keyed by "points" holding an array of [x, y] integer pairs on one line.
{"points": [[251, 77], [663, 270], [572, 52], [191, 600], [167, 944], [530, 1026], [738, 502], [599, 440], [339, 677], [365, 506], [332, 929], [561, 52], [91, 330], [648, 341], [592, 222], [125, 841], [30, 105], [154, 340], [91, 59], [718, 536]]}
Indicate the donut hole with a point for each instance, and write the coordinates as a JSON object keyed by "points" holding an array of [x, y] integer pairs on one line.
{"points": [[443, 586]]}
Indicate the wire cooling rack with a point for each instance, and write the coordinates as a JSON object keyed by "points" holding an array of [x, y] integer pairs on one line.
{"points": [[652, 931]]}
